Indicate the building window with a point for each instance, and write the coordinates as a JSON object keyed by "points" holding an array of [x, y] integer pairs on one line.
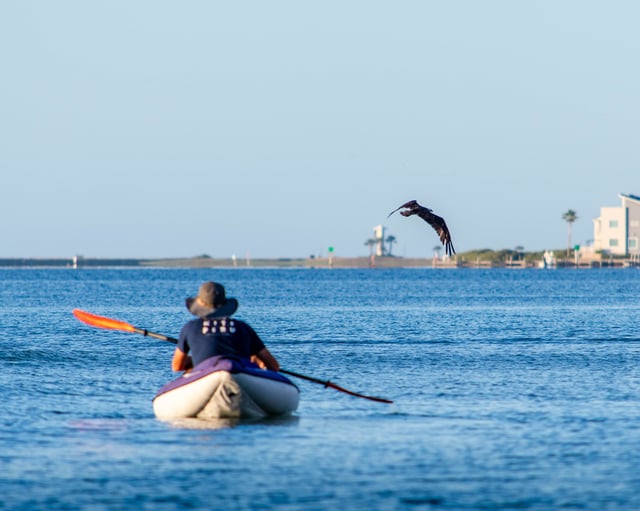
{"points": [[633, 243], [613, 224], [613, 242]]}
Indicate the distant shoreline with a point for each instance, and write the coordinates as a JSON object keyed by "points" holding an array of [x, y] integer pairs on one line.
{"points": [[208, 262], [334, 262]]}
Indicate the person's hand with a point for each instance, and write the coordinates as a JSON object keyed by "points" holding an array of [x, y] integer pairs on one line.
{"points": [[258, 362]]}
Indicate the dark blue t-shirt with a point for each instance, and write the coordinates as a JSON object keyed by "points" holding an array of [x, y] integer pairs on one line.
{"points": [[206, 338]]}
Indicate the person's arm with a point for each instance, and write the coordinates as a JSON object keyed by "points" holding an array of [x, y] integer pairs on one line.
{"points": [[261, 354], [181, 361], [266, 360]]}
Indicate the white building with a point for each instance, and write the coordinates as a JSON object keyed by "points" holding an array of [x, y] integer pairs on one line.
{"points": [[617, 230], [378, 235]]}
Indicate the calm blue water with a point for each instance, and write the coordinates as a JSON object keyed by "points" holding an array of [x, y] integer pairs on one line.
{"points": [[513, 389]]}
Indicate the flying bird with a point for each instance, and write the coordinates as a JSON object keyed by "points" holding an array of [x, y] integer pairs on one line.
{"points": [[435, 221]]}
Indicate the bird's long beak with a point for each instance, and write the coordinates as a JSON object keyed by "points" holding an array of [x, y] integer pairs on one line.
{"points": [[394, 211]]}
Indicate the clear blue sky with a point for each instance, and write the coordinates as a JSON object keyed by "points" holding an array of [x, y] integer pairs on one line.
{"points": [[279, 128]]}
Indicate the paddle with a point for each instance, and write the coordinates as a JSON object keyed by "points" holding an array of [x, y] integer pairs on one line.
{"points": [[327, 383], [114, 324]]}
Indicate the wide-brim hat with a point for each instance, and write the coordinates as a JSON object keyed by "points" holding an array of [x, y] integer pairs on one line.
{"points": [[211, 302]]}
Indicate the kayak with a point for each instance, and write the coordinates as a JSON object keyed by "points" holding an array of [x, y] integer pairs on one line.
{"points": [[225, 386]]}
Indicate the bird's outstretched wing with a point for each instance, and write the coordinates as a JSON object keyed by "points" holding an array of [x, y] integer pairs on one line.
{"points": [[435, 221]]}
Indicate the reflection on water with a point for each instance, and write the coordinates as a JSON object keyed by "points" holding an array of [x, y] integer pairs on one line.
{"points": [[195, 423], [226, 423]]}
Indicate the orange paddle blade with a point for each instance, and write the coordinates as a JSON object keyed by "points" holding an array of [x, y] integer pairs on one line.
{"points": [[102, 322]]}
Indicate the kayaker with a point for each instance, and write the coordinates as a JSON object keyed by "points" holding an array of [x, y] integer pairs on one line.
{"points": [[214, 332]]}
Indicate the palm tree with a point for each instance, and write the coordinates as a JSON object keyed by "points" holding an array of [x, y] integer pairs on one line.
{"points": [[370, 243], [437, 249], [390, 240], [570, 216]]}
